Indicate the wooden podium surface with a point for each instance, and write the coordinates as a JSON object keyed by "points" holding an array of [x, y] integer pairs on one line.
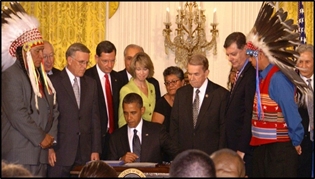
{"points": [[159, 170]]}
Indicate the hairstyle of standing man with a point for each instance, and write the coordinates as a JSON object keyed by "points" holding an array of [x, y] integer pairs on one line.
{"points": [[305, 64], [28, 109], [240, 105], [105, 58], [79, 127], [210, 119], [49, 58]]}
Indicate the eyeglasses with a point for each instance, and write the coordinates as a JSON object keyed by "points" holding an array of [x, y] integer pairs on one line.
{"points": [[82, 62], [48, 56], [173, 82]]}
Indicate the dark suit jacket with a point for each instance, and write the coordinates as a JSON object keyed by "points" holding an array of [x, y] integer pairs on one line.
{"points": [[76, 126], [209, 133], [155, 140], [239, 111], [305, 159], [152, 80], [54, 71], [116, 84]]}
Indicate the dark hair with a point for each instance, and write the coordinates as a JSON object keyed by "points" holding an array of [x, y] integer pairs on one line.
{"points": [[143, 59], [97, 169], [199, 59], [237, 37], [76, 47], [174, 70], [133, 98], [105, 47], [192, 163]]}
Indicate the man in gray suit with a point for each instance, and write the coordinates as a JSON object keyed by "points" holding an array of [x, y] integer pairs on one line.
{"points": [[79, 128], [28, 109]]}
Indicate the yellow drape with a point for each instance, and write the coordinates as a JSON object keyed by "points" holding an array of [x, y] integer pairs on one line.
{"points": [[64, 23], [292, 8]]}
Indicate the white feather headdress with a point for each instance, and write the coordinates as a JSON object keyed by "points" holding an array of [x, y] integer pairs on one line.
{"points": [[21, 30]]}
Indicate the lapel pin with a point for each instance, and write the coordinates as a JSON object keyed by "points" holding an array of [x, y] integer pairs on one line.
{"points": [[146, 134], [206, 95]]}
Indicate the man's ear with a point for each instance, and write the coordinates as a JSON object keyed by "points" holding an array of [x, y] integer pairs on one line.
{"points": [[142, 110]]}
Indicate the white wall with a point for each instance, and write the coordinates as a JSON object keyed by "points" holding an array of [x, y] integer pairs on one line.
{"points": [[142, 23]]}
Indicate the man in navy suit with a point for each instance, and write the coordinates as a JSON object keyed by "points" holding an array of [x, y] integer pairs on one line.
{"points": [[240, 106], [153, 137], [130, 51], [208, 134], [105, 58], [79, 127]]}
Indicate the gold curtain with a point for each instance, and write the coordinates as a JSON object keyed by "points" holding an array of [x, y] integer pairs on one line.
{"points": [[292, 8], [64, 23]]}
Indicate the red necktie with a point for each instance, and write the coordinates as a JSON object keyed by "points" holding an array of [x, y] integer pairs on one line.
{"points": [[236, 76], [109, 98]]}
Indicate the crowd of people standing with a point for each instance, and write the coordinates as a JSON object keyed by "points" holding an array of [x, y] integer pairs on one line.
{"points": [[54, 120]]}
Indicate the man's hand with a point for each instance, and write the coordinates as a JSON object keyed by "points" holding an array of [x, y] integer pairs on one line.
{"points": [[95, 156], [241, 154], [129, 157], [51, 157], [298, 149], [47, 141]]}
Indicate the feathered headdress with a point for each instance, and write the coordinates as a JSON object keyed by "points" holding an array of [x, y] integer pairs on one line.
{"points": [[276, 36], [21, 30]]}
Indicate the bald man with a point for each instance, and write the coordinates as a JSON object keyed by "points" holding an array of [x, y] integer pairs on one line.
{"points": [[49, 58], [228, 163]]}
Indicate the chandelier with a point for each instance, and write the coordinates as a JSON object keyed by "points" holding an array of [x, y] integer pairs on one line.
{"points": [[190, 33]]}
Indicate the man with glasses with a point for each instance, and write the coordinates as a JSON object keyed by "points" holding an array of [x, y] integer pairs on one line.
{"points": [[79, 129], [49, 58], [108, 100]]}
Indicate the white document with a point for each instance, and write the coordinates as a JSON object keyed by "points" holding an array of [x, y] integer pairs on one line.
{"points": [[140, 164]]}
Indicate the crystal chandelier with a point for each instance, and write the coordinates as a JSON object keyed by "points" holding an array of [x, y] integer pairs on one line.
{"points": [[190, 33]]}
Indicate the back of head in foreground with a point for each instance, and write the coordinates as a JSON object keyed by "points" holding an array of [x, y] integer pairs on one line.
{"points": [[228, 163], [192, 163], [14, 170], [97, 169]]}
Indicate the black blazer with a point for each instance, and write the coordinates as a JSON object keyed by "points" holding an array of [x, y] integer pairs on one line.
{"points": [[76, 126], [209, 133], [239, 111], [116, 83], [152, 80], [155, 140]]}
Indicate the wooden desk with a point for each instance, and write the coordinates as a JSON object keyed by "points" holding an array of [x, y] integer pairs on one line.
{"points": [[159, 170]]}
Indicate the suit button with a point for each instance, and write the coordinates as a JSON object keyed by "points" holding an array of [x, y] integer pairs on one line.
{"points": [[78, 133], [150, 114], [149, 105]]}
